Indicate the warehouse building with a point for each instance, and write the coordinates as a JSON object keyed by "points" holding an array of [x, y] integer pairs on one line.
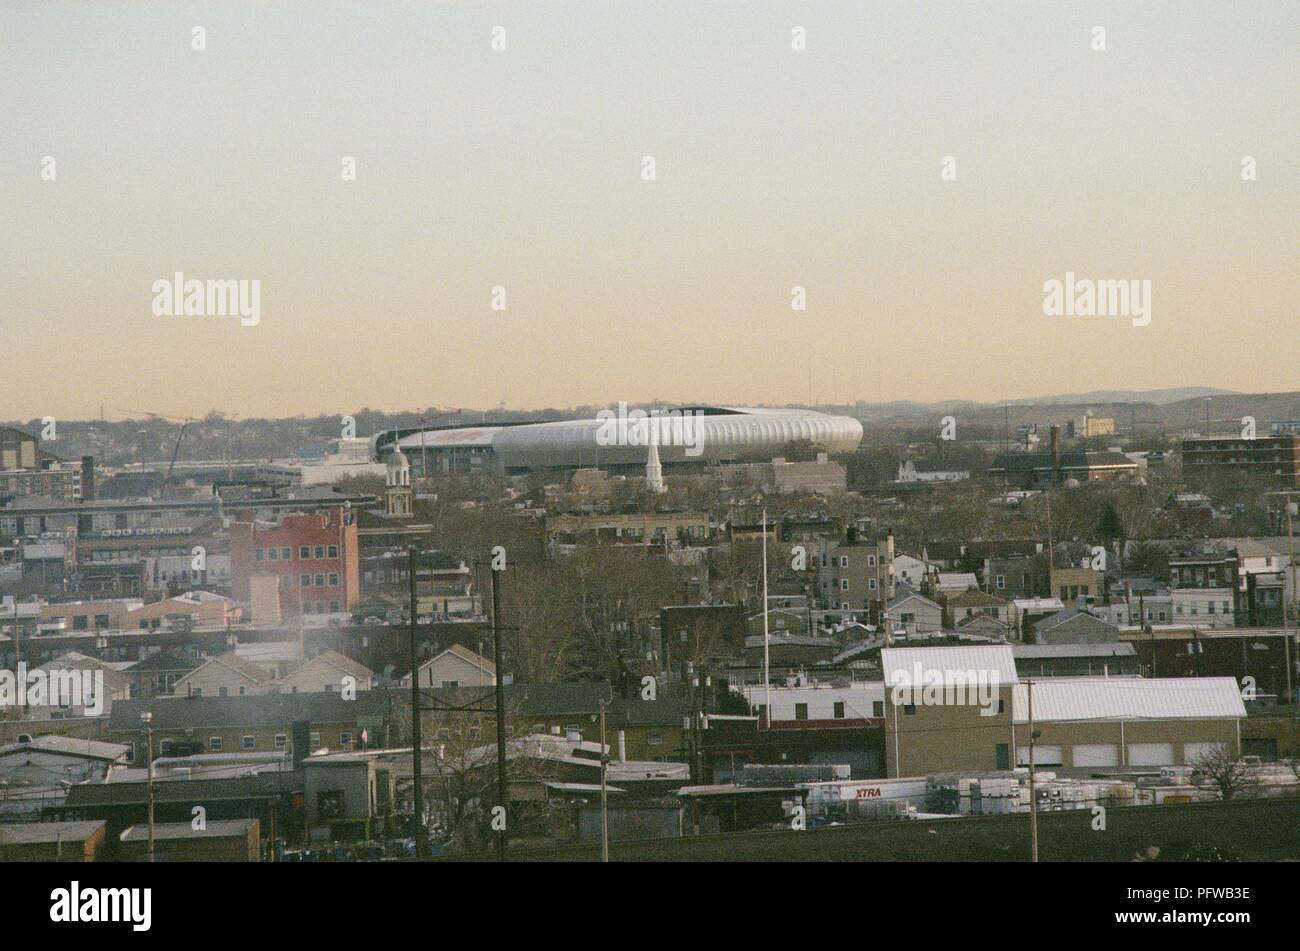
{"points": [[967, 708]]}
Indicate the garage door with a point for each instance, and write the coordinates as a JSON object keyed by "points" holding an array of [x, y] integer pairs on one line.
{"points": [[1151, 754], [1095, 754], [1043, 756], [1193, 752]]}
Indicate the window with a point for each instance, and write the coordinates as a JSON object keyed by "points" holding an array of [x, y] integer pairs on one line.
{"points": [[315, 741], [334, 551], [839, 710], [877, 708], [248, 742], [844, 584], [101, 620], [844, 561], [214, 744], [286, 554], [281, 741], [320, 581], [259, 555], [801, 711], [272, 554], [345, 739], [334, 580], [166, 747], [909, 709], [222, 691], [871, 584], [304, 552], [871, 561], [318, 552], [304, 581], [80, 622], [1001, 582]]}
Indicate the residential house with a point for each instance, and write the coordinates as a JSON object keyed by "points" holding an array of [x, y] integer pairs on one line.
{"points": [[327, 672], [1073, 626]]}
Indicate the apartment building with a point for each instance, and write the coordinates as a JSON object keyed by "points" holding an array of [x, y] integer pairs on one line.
{"points": [[315, 557], [857, 575]]}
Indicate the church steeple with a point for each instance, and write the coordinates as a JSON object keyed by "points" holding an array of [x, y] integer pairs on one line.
{"points": [[654, 472]]}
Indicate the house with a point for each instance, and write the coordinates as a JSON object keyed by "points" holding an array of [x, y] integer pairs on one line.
{"points": [[954, 582], [226, 676], [1026, 612], [1016, 576], [1073, 584], [456, 666], [984, 625], [157, 674], [115, 686], [915, 614], [328, 671], [973, 601], [910, 570], [348, 795], [1209, 607], [782, 620], [1073, 626]]}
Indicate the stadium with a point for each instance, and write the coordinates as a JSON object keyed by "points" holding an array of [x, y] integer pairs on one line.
{"points": [[687, 435]]}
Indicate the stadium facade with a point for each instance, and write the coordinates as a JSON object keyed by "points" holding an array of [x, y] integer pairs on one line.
{"points": [[620, 439]]}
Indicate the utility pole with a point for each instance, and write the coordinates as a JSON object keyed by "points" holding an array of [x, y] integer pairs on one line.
{"points": [[1295, 617], [767, 679], [147, 717], [1033, 793], [604, 796], [421, 845], [503, 793]]}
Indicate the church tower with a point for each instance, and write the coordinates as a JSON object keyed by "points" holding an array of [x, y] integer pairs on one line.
{"points": [[397, 494], [654, 472]]}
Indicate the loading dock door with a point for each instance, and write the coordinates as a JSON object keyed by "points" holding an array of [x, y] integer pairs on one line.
{"points": [[1151, 754], [1095, 754]]}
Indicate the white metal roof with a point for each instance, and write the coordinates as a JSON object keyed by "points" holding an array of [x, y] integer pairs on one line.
{"points": [[994, 662], [1101, 698]]}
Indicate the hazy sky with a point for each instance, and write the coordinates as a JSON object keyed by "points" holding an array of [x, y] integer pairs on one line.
{"points": [[522, 168]]}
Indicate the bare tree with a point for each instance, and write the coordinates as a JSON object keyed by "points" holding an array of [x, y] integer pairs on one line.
{"points": [[1223, 768]]}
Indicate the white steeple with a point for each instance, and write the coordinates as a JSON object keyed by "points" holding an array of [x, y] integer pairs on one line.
{"points": [[654, 472]]}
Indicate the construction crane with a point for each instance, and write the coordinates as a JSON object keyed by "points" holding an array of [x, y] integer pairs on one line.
{"points": [[185, 423]]}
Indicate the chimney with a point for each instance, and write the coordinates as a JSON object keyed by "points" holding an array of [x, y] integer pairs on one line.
{"points": [[1056, 454]]}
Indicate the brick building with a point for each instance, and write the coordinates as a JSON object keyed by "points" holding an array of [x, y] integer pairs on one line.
{"points": [[316, 558]]}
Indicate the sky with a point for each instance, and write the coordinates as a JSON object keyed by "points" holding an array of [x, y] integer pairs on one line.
{"points": [[775, 168]]}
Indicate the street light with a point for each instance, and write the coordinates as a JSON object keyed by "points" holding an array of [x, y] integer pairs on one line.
{"points": [[147, 717]]}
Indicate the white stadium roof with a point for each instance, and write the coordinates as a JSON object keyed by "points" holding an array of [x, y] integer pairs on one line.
{"points": [[685, 434]]}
